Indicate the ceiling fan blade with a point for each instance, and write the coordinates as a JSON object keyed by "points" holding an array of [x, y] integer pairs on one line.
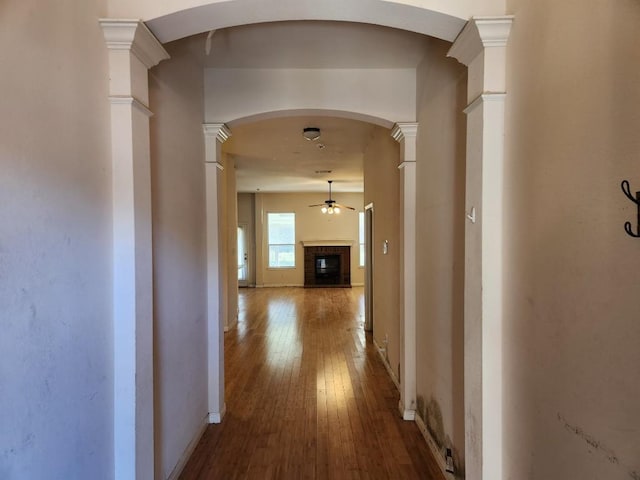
{"points": [[319, 205], [343, 206]]}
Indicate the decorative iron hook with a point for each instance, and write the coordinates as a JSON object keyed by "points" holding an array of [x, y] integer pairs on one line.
{"points": [[627, 225]]}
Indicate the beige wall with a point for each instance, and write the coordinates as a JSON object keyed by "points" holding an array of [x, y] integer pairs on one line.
{"points": [[56, 340], [440, 218], [382, 188], [311, 224], [572, 284], [179, 251]]}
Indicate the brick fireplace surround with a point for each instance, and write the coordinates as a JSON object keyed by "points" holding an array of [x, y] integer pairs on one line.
{"points": [[317, 256]]}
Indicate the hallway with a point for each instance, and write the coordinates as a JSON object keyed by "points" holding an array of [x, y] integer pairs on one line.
{"points": [[307, 396]]}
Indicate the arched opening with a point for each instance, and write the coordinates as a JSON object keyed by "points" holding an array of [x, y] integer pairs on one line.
{"points": [[410, 213]]}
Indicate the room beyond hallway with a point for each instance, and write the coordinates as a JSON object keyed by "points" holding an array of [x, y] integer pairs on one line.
{"points": [[307, 396]]}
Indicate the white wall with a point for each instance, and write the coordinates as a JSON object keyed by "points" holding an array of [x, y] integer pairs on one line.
{"points": [[311, 224], [231, 94], [572, 284], [56, 367], [179, 252], [440, 220]]}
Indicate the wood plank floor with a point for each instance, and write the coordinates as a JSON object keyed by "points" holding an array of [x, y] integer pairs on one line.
{"points": [[308, 396]]}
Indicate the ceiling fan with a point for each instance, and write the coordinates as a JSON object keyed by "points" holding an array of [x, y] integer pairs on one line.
{"points": [[330, 206]]}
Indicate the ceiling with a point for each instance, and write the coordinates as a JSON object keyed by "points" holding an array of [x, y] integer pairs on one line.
{"points": [[271, 155]]}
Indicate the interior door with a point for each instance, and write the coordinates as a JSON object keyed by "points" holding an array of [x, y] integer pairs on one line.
{"points": [[243, 256]]}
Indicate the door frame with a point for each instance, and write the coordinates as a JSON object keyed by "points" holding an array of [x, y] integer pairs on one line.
{"points": [[368, 267]]}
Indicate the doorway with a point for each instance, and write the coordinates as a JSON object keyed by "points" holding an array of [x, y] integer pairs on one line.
{"points": [[243, 255], [368, 266]]}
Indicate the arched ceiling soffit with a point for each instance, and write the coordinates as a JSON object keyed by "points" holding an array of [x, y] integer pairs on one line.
{"points": [[306, 113], [174, 19]]}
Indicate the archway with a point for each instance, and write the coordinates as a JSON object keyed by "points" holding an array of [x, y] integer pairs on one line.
{"points": [[480, 46]]}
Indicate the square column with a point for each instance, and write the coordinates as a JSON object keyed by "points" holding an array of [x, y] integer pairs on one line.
{"points": [[132, 51], [214, 136], [481, 46], [405, 134]]}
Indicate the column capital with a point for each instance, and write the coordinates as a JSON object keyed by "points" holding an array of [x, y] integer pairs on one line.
{"points": [[402, 130], [406, 134], [480, 33], [218, 130], [134, 36]]}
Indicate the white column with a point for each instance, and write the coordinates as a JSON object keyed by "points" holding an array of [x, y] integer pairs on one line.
{"points": [[481, 46], [214, 136], [132, 51], [405, 134]]}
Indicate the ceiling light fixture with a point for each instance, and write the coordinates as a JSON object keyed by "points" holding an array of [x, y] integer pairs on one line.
{"points": [[311, 133], [330, 206]]}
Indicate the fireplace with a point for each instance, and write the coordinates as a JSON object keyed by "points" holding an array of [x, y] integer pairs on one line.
{"points": [[327, 269], [327, 266]]}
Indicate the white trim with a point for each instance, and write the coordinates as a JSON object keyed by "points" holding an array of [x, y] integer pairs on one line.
{"points": [[129, 100], [382, 352], [491, 31], [132, 50], [404, 129], [406, 134], [280, 285], [326, 243], [435, 451], [405, 413], [481, 46], [218, 130], [358, 284], [406, 163], [184, 458], [216, 417], [134, 36], [485, 97], [215, 299]]}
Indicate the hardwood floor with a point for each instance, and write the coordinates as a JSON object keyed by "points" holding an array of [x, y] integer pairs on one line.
{"points": [[308, 396]]}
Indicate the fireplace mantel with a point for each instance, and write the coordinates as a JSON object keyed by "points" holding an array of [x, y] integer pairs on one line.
{"points": [[326, 243]]}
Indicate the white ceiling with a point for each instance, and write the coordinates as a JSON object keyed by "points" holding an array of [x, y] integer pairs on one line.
{"points": [[271, 155]]}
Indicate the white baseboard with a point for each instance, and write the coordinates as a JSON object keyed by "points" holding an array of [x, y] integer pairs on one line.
{"points": [[357, 284], [406, 414], [216, 417], [412, 415], [281, 285], [382, 352], [437, 454], [184, 458]]}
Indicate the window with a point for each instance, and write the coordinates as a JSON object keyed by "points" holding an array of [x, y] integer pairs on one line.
{"points": [[361, 236], [281, 234]]}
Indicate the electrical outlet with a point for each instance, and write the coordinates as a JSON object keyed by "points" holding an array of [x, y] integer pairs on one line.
{"points": [[449, 462]]}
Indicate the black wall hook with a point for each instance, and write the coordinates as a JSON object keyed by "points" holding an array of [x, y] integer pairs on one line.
{"points": [[627, 225]]}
